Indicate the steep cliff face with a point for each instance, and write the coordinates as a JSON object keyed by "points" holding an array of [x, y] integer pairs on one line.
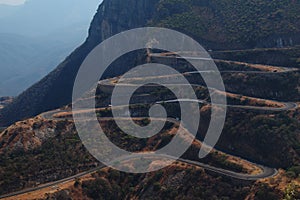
{"points": [[115, 16], [55, 90]]}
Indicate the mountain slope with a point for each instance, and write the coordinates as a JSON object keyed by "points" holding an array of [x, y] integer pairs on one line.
{"points": [[216, 24], [234, 23]]}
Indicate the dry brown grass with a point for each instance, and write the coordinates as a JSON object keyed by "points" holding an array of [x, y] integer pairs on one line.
{"points": [[41, 194]]}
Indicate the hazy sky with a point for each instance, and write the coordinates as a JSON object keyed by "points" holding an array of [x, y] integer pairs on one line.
{"points": [[12, 2]]}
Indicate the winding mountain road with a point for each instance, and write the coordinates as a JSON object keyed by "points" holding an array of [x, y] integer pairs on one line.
{"points": [[266, 171]]}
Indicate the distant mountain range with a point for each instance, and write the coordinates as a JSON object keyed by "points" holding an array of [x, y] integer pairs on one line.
{"points": [[43, 17], [36, 36]]}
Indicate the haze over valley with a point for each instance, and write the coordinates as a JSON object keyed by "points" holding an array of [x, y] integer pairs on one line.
{"points": [[36, 36]]}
